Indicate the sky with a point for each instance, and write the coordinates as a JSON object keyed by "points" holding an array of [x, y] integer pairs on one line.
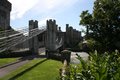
{"points": [[63, 11]]}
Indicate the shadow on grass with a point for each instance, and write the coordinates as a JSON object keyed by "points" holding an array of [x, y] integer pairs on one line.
{"points": [[23, 72], [8, 54]]}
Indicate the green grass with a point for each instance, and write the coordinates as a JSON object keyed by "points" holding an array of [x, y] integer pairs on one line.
{"points": [[38, 69], [4, 61]]}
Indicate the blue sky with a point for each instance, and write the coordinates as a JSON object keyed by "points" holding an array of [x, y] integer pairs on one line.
{"points": [[63, 11]]}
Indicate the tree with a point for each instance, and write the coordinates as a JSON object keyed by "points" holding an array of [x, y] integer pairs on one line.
{"points": [[86, 20], [104, 23]]}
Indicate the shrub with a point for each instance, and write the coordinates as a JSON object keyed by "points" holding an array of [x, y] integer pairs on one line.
{"points": [[92, 45], [89, 45], [99, 67]]}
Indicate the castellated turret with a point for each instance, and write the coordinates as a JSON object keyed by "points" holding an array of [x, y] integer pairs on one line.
{"points": [[5, 9]]}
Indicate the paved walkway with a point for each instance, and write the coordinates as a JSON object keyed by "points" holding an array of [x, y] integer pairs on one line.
{"points": [[8, 69], [74, 59]]}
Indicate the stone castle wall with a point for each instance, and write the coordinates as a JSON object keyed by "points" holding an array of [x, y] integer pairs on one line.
{"points": [[72, 36]]}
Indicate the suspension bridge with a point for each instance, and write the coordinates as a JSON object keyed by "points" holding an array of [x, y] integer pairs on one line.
{"points": [[12, 38], [50, 36]]}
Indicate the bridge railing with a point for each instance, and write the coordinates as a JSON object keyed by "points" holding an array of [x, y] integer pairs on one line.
{"points": [[8, 42], [15, 38], [7, 33]]}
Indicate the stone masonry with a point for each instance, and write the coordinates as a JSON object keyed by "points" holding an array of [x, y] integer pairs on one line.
{"points": [[33, 42], [72, 36], [51, 35], [5, 9], [51, 38]]}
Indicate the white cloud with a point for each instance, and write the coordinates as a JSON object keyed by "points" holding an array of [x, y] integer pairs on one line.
{"points": [[52, 6], [20, 7]]}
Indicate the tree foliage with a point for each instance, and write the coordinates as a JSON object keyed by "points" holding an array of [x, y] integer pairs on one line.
{"points": [[104, 23]]}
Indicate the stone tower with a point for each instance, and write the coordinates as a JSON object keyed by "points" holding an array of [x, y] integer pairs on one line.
{"points": [[5, 9], [51, 35]]}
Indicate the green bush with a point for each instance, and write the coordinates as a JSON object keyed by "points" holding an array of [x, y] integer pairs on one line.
{"points": [[76, 47], [99, 67], [94, 45]]}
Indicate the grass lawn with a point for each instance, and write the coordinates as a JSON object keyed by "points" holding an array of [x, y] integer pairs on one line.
{"points": [[4, 61], [37, 69]]}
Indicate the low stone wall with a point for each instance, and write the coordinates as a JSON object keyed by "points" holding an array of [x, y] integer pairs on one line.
{"points": [[64, 70]]}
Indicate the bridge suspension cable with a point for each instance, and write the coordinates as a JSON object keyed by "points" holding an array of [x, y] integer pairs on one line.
{"points": [[11, 38], [16, 37]]}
